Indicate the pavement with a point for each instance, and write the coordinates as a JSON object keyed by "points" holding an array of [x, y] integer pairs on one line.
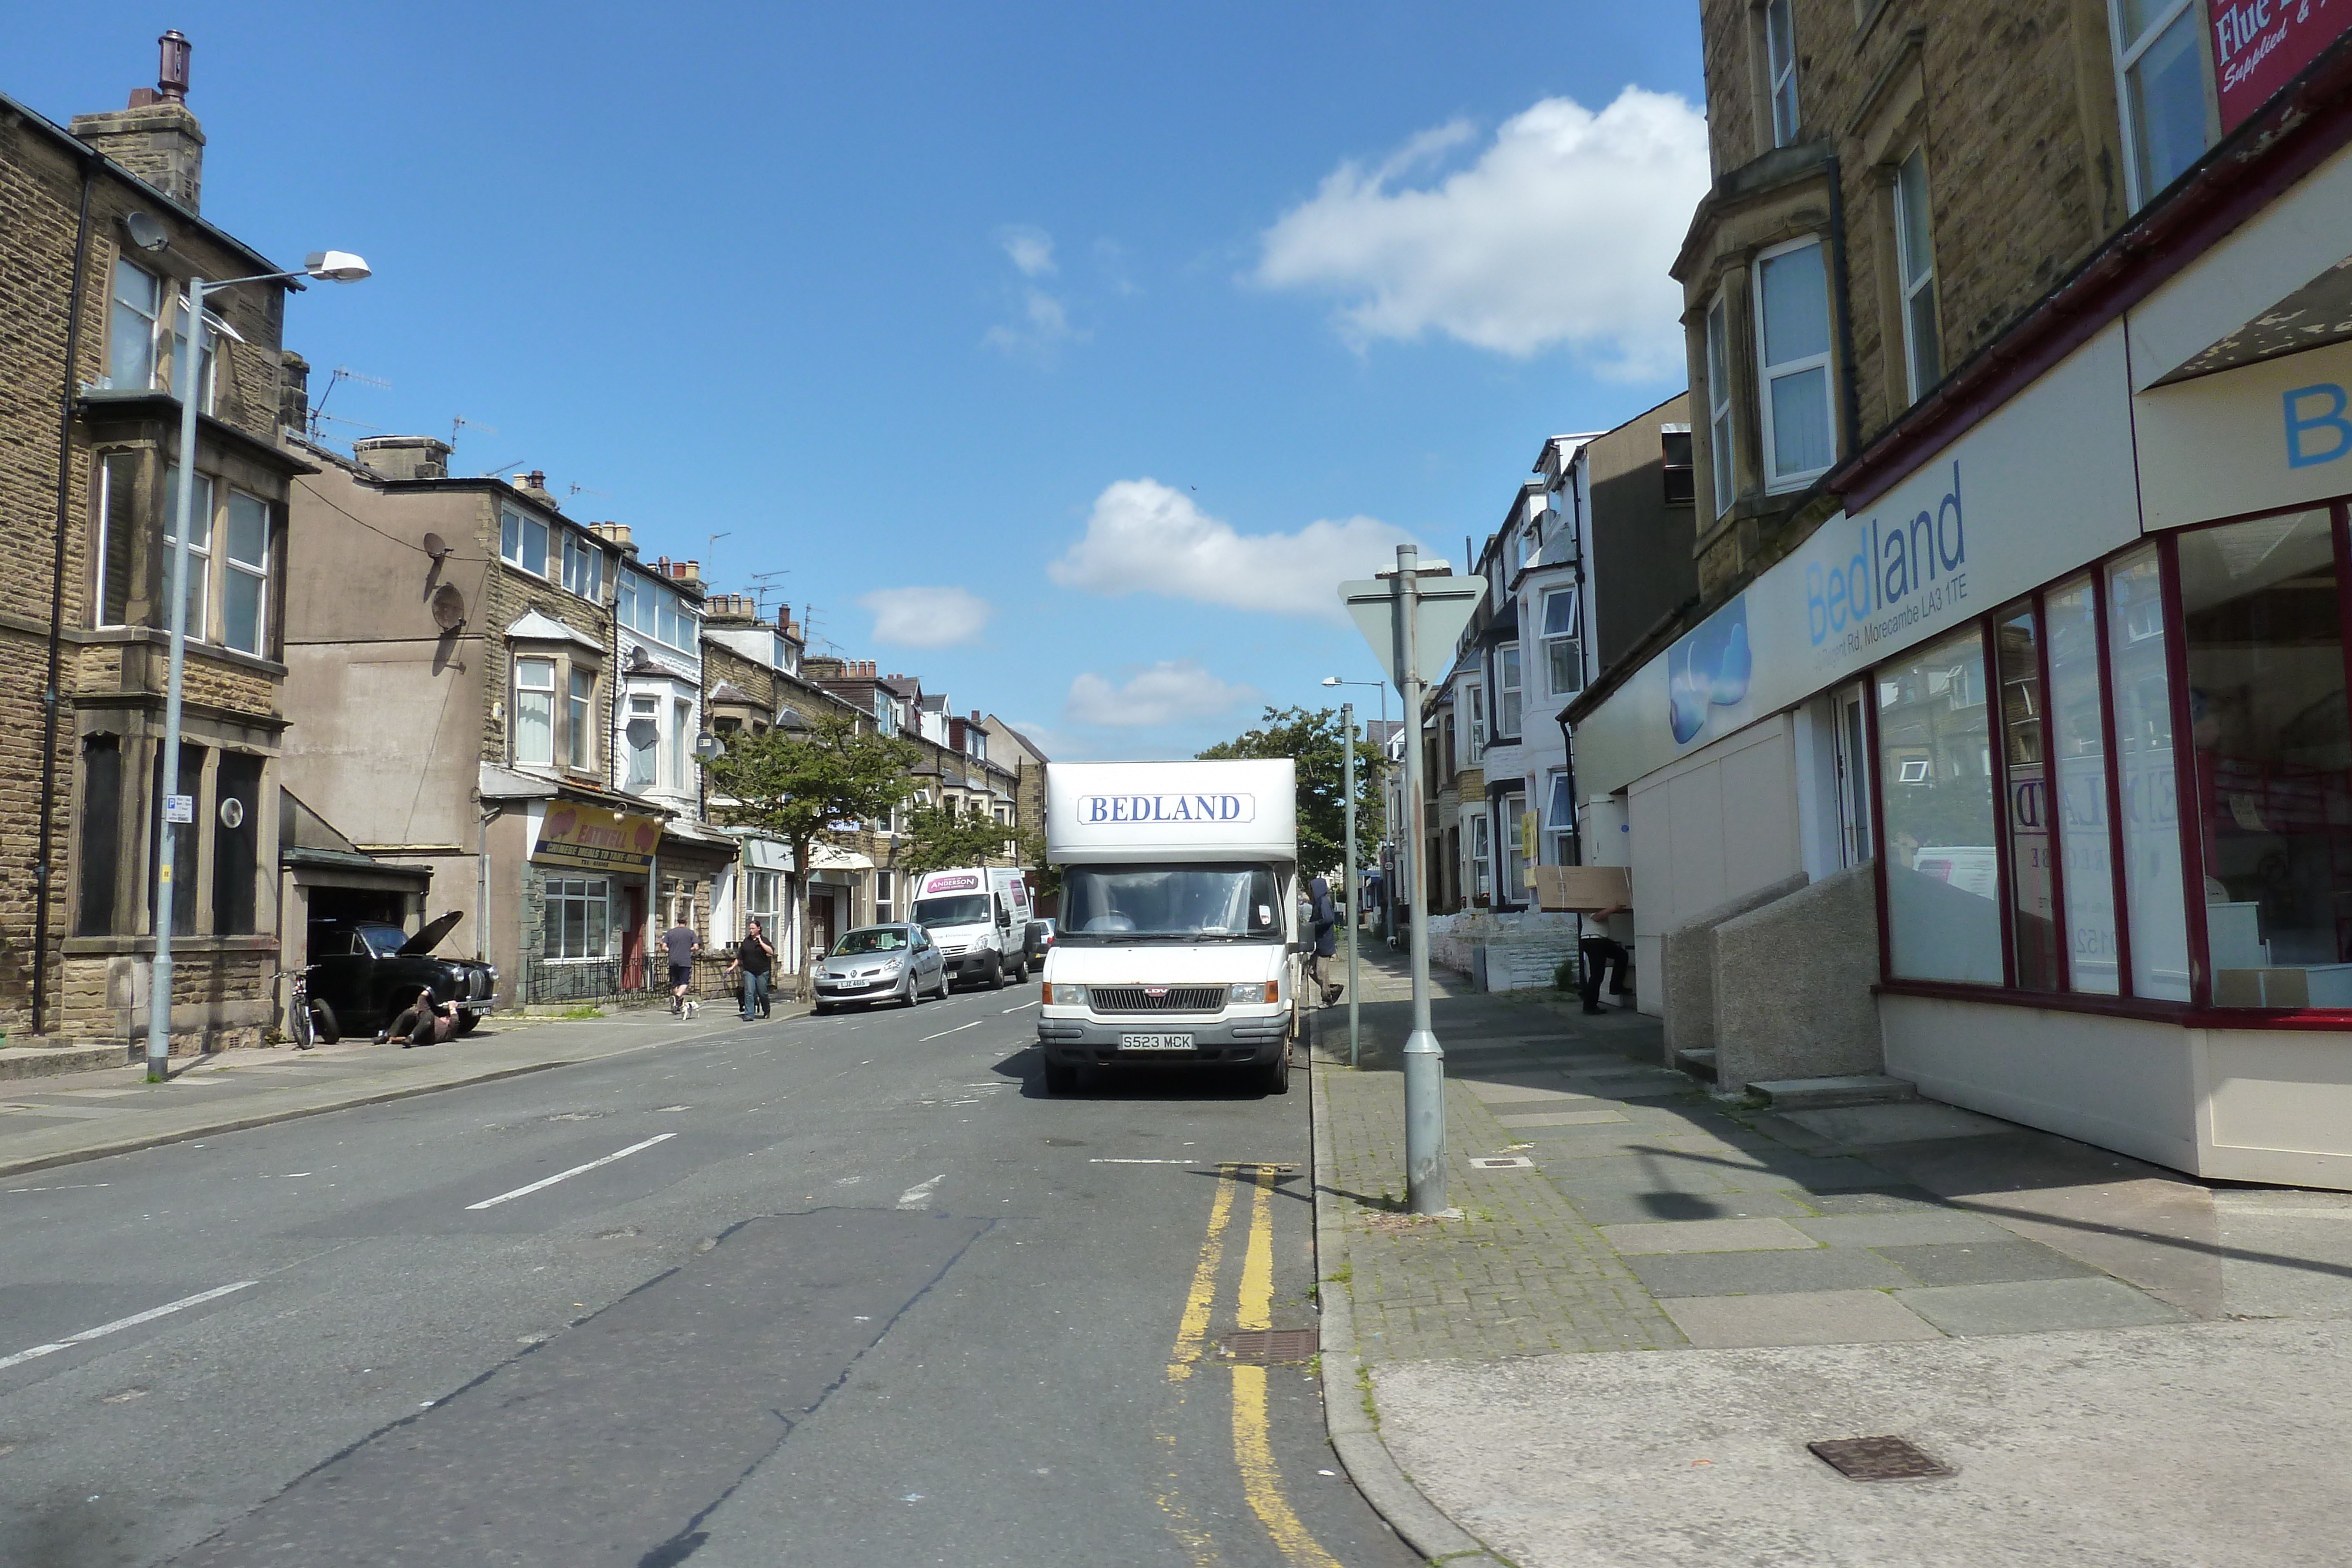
{"points": [[61, 1118], [1650, 1301]]}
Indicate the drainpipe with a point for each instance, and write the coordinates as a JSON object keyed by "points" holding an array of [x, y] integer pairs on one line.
{"points": [[1851, 404], [45, 867]]}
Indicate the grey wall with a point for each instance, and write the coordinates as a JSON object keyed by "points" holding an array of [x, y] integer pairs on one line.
{"points": [[1792, 985]]}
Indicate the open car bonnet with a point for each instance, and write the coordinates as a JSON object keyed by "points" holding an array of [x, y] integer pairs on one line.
{"points": [[425, 941]]}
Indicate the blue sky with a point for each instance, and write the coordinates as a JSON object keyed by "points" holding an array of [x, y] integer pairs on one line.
{"points": [[920, 297]]}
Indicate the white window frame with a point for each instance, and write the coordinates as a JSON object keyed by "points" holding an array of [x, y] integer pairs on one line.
{"points": [[559, 893], [1560, 814], [202, 517], [1780, 70], [1475, 736], [1721, 438], [1915, 276], [580, 711], [681, 745], [1559, 644], [645, 607], [645, 705], [525, 664], [109, 516], [1509, 677], [582, 566], [2128, 56], [1513, 858], [257, 572], [515, 530], [1481, 856], [129, 321], [1768, 373]]}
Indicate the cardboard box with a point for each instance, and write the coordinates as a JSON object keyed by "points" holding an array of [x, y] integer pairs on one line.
{"points": [[1581, 889]]}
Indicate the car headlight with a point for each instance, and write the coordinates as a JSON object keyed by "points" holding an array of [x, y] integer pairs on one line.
{"points": [[890, 967], [1257, 993], [1063, 994]]}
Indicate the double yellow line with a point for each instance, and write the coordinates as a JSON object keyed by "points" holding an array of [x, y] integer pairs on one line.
{"points": [[1253, 1441]]}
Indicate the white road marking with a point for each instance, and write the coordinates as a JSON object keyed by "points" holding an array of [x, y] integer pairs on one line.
{"points": [[567, 1176], [1030, 1003], [958, 1030], [132, 1322], [1108, 1161], [916, 1196]]}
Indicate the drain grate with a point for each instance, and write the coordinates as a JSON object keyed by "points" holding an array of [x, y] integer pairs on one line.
{"points": [[1502, 1163], [1878, 1459], [1264, 1347]]}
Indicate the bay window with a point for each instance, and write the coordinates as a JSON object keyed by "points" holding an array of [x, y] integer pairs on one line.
{"points": [[200, 551], [644, 736], [245, 581], [681, 745], [1559, 818], [534, 710], [1481, 856], [1792, 310], [1506, 692], [1563, 658], [582, 717], [1718, 402], [130, 347]]}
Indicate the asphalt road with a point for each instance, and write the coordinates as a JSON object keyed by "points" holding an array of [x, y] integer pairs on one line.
{"points": [[839, 1291]]}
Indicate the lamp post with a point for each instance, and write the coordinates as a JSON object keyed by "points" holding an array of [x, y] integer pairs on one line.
{"points": [[1388, 891], [175, 808]]}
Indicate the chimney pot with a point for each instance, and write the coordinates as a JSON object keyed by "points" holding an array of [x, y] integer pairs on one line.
{"points": [[172, 67]]}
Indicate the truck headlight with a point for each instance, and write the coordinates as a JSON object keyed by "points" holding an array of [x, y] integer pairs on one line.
{"points": [[1063, 996], [1257, 993]]}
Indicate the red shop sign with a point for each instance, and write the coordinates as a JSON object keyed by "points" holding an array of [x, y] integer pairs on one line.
{"points": [[2259, 45]]}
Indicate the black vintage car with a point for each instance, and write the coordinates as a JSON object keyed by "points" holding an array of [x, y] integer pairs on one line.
{"points": [[367, 972]]}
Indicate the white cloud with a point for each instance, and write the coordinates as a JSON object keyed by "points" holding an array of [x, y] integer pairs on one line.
{"points": [[1031, 248], [927, 617], [1144, 537], [1169, 692], [1558, 234], [1043, 325]]}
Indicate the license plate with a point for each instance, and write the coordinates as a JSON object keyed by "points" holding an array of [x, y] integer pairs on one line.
{"points": [[1155, 1042]]}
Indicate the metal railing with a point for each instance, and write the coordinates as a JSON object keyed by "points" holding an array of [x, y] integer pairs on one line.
{"points": [[598, 982]]}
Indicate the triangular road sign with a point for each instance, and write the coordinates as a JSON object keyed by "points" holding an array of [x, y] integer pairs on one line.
{"points": [[1446, 605]]}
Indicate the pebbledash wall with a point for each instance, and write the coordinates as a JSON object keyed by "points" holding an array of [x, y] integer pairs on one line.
{"points": [[1976, 680]]}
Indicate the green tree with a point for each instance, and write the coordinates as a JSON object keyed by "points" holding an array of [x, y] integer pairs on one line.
{"points": [[938, 838], [1316, 741], [801, 785]]}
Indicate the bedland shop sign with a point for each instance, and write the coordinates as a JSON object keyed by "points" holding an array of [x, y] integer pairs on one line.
{"points": [[1214, 810], [589, 838]]}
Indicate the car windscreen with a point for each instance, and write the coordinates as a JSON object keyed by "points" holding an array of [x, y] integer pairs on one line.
{"points": [[964, 909], [1214, 900], [383, 941], [881, 939]]}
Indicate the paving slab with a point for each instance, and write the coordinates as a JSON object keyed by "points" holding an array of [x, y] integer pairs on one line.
{"points": [[1705, 1236], [1813, 1317], [1883, 1231], [1562, 1119], [1639, 1208], [1891, 1199], [1489, 1093], [1765, 1273], [2037, 1306], [1985, 1262]]}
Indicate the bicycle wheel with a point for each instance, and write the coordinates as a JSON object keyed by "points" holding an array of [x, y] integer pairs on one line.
{"points": [[298, 1023]]}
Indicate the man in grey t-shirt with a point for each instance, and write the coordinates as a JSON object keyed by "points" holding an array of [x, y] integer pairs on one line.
{"points": [[681, 941]]}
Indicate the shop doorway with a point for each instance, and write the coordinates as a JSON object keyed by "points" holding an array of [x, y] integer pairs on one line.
{"points": [[633, 942], [1853, 777]]}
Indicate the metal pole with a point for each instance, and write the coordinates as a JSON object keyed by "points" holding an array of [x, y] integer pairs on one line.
{"points": [[159, 990], [1424, 1060], [1348, 721]]}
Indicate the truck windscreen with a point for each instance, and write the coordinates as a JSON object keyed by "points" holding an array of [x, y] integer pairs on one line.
{"points": [[1119, 903], [964, 909]]}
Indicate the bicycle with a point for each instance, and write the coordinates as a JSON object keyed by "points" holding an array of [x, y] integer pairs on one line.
{"points": [[301, 1023]]}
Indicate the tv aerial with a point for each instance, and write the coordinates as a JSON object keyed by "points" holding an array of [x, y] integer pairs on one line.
{"points": [[342, 373], [462, 422]]}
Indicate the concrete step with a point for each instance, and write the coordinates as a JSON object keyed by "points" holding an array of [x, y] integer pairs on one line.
{"points": [[40, 1060], [1698, 1062], [1821, 1093]]}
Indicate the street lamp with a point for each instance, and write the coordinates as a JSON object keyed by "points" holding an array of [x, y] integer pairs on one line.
{"points": [[328, 265]]}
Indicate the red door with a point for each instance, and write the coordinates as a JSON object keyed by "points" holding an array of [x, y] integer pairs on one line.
{"points": [[632, 943]]}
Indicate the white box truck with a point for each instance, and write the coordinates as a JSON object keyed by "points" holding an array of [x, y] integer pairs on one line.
{"points": [[980, 918], [1178, 931]]}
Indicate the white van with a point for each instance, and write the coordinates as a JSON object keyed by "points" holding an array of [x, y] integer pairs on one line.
{"points": [[980, 918], [1178, 940]]}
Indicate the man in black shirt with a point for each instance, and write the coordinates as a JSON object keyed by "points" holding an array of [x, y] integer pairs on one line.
{"points": [[753, 960]]}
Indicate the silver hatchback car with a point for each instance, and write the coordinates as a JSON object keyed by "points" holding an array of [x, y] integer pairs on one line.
{"points": [[876, 964]]}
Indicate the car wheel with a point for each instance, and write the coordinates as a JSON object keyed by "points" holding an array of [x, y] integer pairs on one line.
{"points": [[821, 1009], [1277, 1074], [1061, 1077], [996, 974], [1020, 973], [467, 1023], [911, 997], [943, 983], [323, 1026]]}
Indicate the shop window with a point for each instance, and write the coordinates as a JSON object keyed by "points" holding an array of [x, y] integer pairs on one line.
{"points": [[97, 847], [534, 729], [1719, 401], [237, 843], [2161, 73], [1941, 875], [2268, 733], [1792, 306], [522, 542], [2141, 688], [2032, 884], [578, 918], [1563, 658], [1914, 254], [2078, 744]]}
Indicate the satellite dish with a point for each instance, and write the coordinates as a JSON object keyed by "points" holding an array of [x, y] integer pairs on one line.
{"points": [[449, 608], [436, 545], [709, 748]]}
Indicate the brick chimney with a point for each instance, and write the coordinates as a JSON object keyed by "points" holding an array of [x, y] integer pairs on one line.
{"points": [[293, 390], [534, 484], [403, 457], [156, 138], [620, 534]]}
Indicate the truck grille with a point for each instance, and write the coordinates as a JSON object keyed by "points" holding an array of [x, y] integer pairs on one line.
{"points": [[1170, 999]]}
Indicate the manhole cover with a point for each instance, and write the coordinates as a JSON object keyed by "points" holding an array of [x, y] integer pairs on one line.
{"points": [[1263, 1347], [1877, 1459], [1502, 1163]]}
